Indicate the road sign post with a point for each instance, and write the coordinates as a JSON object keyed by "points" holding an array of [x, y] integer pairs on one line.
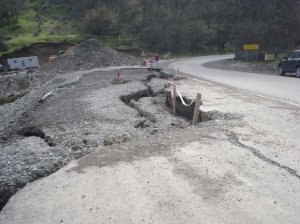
{"points": [[248, 47]]}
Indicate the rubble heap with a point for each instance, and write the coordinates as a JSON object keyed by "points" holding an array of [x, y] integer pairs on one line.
{"points": [[87, 55]]}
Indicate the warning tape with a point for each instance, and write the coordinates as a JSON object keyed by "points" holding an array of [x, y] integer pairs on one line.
{"points": [[180, 96], [172, 83], [182, 100]]}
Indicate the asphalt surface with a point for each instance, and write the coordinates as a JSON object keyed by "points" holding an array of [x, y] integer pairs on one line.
{"points": [[66, 125], [241, 167], [283, 88]]}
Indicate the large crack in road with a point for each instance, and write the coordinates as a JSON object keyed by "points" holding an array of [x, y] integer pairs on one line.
{"points": [[190, 173], [234, 139], [90, 111]]}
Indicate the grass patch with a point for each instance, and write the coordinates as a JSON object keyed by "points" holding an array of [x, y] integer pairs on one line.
{"points": [[28, 39], [43, 22], [119, 44], [40, 22]]}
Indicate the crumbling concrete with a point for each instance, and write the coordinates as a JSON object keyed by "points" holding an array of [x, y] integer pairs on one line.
{"points": [[82, 113]]}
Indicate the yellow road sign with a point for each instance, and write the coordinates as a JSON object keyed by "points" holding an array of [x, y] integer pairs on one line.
{"points": [[251, 46]]}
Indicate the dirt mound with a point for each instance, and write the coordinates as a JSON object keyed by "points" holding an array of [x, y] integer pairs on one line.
{"points": [[87, 55]]}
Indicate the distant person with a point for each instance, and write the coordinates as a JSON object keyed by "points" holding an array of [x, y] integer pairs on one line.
{"points": [[1, 68]]}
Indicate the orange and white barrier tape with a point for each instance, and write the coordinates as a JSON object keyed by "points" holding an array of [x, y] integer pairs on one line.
{"points": [[180, 96]]}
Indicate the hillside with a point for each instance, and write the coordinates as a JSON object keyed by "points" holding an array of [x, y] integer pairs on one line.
{"points": [[161, 26], [40, 22]]}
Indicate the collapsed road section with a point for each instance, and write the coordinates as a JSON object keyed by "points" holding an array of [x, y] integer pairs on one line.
{"points": [[146, 165], [82, 113]]}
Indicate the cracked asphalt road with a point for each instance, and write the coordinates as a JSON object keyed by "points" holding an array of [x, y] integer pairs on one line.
{"points": [[283, 88], [84, 110], [242, 167]]}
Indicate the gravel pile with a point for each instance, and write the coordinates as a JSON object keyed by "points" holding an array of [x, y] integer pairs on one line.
{"points": [[87, 55]]}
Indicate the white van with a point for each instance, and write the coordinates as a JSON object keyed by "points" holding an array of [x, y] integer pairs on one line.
{"points": [[23, 63]]}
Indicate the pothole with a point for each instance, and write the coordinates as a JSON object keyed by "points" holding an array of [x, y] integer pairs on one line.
{"points": [[34, 131]]}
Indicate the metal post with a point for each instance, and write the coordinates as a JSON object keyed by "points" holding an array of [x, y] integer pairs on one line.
{"points": [[174, 99], [256, 55], [197, 109]]}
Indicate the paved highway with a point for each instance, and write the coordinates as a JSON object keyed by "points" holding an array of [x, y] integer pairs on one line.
{"points": [[281, 88]]}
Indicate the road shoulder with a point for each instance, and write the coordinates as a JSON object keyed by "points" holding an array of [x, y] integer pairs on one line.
{"points": [[238, 167], [268, 68]]}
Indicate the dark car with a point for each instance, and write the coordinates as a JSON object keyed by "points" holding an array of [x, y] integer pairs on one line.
{"points": [[291, 64]]}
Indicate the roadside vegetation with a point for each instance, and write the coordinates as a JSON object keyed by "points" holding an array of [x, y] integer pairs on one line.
{"points": [[37, 22], [180, 26]]}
